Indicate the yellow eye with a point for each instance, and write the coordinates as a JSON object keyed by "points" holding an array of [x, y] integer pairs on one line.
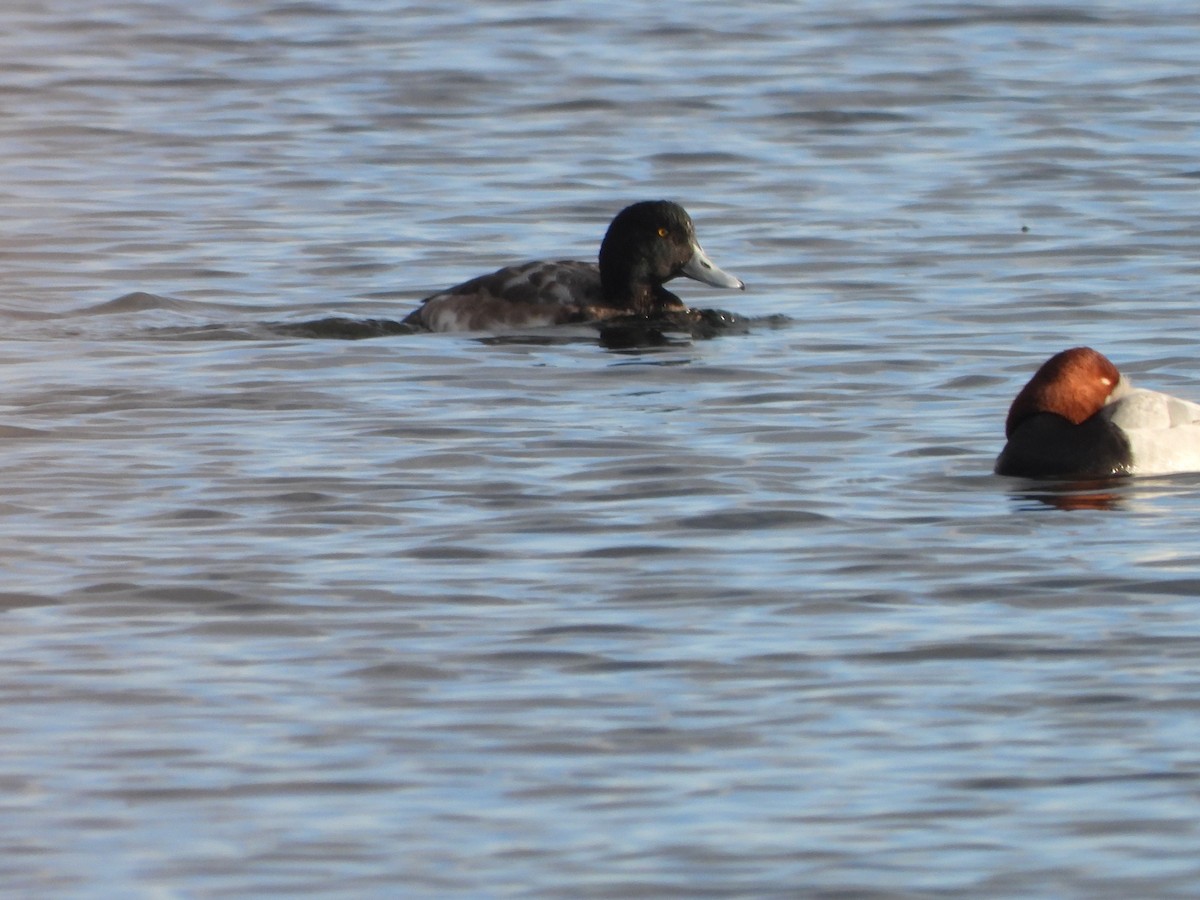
{"points": [[662, 232]]}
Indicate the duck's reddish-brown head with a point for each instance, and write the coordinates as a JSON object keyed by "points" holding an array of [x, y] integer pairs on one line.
{"points": [[1073, 384]]}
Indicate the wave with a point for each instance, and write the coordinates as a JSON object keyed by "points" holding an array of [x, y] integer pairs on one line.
{"points": [[193, 320]]}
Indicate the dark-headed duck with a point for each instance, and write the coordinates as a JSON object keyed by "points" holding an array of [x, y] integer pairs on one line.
{"points": [[1078, 417], [647, 244]]}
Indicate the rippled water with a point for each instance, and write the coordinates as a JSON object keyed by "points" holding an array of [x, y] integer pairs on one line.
{"points": [[287, 613]]}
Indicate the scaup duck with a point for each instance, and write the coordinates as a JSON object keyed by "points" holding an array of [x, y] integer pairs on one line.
{"points": [[1078, 417], [647, 244]]}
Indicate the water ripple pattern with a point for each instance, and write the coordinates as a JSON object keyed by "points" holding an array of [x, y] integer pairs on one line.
{"points": [[296, 603]]}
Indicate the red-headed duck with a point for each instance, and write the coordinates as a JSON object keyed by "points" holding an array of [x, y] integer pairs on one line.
{"points": [[647, 244], [1078, 417]]}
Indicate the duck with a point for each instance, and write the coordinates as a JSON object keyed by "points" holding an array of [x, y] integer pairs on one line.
{"points": [[1079, 417], [646, 245]]}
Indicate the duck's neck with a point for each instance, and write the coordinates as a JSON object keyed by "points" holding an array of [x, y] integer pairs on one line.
{"points": [[627, 289]]}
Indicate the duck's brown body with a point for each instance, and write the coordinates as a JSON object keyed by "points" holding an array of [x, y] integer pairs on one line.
{"points": [[646, 245]]}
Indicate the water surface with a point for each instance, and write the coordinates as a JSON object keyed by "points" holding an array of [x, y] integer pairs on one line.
{"points": [[290, 613]]}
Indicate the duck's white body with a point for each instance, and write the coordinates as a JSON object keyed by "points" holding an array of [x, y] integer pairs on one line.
{"points": [[1163, 431]]}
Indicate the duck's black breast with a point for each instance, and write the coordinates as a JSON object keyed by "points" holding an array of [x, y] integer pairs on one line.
{"points": [[529, 295], [1048, 446]]}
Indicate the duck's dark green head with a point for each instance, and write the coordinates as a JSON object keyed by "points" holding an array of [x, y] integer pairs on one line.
{"points": [[648, 244]]}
